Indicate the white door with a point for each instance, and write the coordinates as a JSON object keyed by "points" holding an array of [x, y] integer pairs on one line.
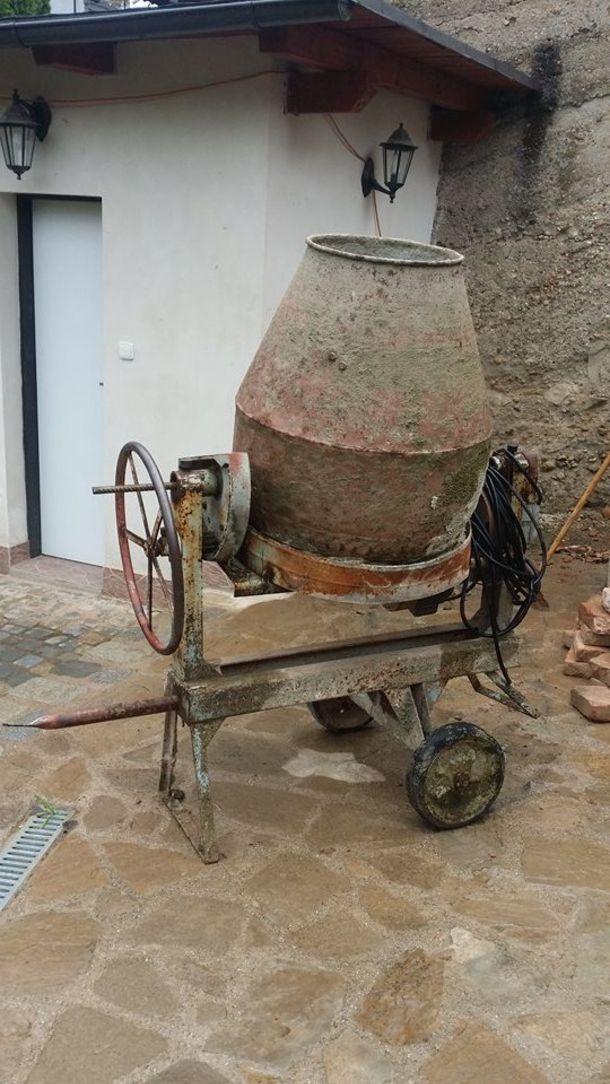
{"points": [[68, 318]]}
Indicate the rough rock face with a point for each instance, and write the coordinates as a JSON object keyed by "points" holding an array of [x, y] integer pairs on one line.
{"points": [[530, 208]]}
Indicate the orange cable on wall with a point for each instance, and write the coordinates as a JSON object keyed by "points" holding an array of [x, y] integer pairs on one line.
{"points": [[153, 95], [345, 143]]}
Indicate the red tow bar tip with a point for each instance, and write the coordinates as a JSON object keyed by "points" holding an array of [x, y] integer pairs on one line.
{"points": [[107, 714]]}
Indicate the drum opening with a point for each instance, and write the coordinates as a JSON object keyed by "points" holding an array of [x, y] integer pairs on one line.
{"points": [[384, 250]]}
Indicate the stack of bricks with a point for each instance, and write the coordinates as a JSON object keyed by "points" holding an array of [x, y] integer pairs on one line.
{"points": [[588, 658]]}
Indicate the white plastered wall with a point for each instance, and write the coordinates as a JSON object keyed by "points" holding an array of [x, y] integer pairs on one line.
{"points": [[207, 198]]}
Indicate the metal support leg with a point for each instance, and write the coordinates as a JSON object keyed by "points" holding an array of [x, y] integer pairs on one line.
{"points": [[402, 711], [170, 744], [201, 736], [418, 692], [168, 755]]}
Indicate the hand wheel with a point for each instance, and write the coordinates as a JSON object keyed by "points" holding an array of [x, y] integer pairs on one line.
{"points": [[157, 537]]}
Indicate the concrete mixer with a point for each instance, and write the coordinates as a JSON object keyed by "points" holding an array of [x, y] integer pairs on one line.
{"points": [[361, 471]]}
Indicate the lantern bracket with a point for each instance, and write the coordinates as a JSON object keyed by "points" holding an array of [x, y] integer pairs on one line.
{"points": [[40, 113], [370, 183]]}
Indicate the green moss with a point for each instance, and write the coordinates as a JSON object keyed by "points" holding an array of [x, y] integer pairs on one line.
{"points": [[461, 484]]}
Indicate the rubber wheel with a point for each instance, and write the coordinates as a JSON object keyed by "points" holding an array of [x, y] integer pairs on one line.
{"points": [[456, 775], [339, 715]]}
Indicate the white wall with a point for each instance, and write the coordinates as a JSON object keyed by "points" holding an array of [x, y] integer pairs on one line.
{"points": [[207, 197]]}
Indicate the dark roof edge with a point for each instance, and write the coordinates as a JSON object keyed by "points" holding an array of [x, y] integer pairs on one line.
{"points": [[181, 20], [184, 20], [397, 15]]}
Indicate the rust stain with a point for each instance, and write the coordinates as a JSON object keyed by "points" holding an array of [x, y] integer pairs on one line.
{"points": [[354, 581]]}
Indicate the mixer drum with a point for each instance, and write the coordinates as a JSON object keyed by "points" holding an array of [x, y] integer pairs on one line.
{"points": [[365, 417]]}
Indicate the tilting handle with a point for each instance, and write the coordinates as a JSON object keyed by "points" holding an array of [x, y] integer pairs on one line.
{"points": [[208, 496]]}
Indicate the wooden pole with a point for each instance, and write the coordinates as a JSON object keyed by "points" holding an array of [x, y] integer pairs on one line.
{"points": [[578, 507]]}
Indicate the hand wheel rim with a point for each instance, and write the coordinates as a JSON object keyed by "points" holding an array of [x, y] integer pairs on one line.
{"points": [[173, 542]]}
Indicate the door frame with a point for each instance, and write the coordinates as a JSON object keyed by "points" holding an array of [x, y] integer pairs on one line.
{"points": [[29, 384]]}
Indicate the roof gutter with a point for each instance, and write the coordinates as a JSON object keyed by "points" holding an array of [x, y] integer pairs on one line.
{"points": [[183, 20]]}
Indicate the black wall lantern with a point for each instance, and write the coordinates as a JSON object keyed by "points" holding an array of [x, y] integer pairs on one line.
{"points": [[398, 153], [20, 127]]}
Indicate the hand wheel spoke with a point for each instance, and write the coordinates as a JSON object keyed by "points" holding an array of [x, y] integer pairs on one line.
{"points": [[164, 586], [150, 592], [136, 482], [135, 538], [156, 526]]}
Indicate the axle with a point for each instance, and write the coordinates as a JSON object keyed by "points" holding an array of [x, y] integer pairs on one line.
{"points": [[208, 485]]}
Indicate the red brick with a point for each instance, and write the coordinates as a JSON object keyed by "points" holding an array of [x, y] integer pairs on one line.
{"points": [[592, 701], [573, 668], [593, 615], [600, 667], [583, 652], [593, 638]]}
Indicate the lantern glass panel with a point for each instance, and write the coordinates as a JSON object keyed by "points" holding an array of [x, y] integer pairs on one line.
{"points": [[17, 138], [396, 163], [404, 163]]}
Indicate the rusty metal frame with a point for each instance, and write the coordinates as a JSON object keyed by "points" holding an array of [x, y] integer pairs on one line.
{"points": [[393, 676], [388, 675], [388, 679]]}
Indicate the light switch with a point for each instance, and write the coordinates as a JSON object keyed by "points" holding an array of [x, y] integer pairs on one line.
{"points": [[127, 351]]}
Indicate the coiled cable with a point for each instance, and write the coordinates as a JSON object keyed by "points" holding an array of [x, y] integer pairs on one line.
{"points": [[499, 553]]}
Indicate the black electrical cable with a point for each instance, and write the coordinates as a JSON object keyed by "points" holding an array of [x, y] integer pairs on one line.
{"points": [[499, 557]]}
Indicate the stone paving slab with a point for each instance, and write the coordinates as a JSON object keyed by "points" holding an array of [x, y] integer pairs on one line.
{"points": [[340, 941]]}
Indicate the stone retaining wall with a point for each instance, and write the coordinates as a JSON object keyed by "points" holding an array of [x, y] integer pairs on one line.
{"points": [[530, 208]]}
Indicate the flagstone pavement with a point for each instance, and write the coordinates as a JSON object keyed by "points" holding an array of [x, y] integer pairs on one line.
{"points": [[339, 941]]}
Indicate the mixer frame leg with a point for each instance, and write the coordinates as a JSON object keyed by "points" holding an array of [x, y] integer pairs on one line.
{"points": [[170, 747], [168, 755], [201, 736]]}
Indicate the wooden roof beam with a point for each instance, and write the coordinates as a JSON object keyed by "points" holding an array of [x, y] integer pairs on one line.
{"points": [[86, 58], [332, 50], [327, 92]]}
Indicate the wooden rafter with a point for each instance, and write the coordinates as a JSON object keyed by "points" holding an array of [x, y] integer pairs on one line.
{"points": [[330, 50], [327, 92], [86, 58]]}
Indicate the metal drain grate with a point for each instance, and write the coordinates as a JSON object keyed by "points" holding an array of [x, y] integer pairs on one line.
{"points": [[26, 849]]}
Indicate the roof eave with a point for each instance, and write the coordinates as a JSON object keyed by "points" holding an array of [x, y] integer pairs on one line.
{"points": [[399, 16], [234, 16]]}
